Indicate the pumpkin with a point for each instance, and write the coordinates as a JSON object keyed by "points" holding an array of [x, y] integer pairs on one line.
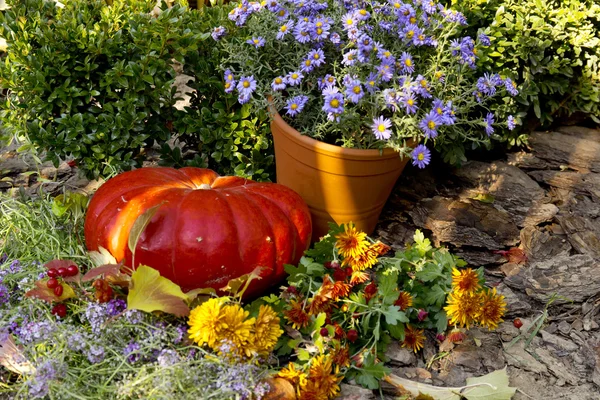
{"points": [[208, 229]]}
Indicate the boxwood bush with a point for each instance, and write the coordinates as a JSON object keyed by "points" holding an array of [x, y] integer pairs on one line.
{"points": [[550, 47], [91, 80]]}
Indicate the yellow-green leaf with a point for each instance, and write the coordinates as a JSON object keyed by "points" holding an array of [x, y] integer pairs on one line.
{"points": [[139, 225], [148, 291], [42, 292], [239, 285]]}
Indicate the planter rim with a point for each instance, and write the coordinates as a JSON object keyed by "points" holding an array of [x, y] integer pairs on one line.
{"points": [[329, 149]]}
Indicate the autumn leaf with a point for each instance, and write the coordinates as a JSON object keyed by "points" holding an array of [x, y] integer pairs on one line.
{"points": [[12, 358], [42, 292], [110, 272], [56, 264], [192, 294], [148, 291], [514, 255], [238, 286], [493, 386], [102, 257]]}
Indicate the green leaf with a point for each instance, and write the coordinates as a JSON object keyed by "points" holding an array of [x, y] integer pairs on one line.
{"points": [[396, 331], [435, 295], [393, 315], [430, 272], [370, 375], [421, 243]]}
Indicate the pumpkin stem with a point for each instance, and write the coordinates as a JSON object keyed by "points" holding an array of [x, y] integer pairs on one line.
{"points": [[204, 186]]}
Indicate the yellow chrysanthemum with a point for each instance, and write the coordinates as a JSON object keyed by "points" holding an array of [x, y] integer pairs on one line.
{"points": [[351, 243], [492, 310], [294, 376], [359, 277], [324, 376], [266, 330], [465, 281], [413, 338], [463, 308], [365, 260], [312, 391], [205, 322], [236, 329]]}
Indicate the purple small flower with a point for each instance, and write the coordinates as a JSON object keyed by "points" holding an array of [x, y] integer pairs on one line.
{"points": [[320, 30], [302, 32], [246, 85], [4, 294], [423, 87], [134, 317], [132, 352], [422, 313], [317, 56], [97, 316], [95, 354], [385, 71], [386, 56], [278, 83], [46, 372], [371, 83], [285, 29], [361, 14], [295, 105], [167, 357], [484, 39], [35, 332], [392, 99], [307, 66], [3, 258], [218, 33], [15, 266], [334, 101], [115, 307], [488, 124], [335, 38], [381, 128], [409, 102], [429, 124], [294, 78], [365, 43], [349, 21], [511, 87], [354, 91], [455, 16], [511, 122], [256, 42], [408, 66], [77, 341], [350, 58], [182, 332], [421, 156]]}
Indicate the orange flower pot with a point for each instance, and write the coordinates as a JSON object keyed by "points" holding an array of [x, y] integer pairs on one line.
{"points": [[338, 184]]}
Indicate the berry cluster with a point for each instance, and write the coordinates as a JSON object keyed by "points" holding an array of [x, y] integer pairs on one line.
{"points": [[55, 276]]}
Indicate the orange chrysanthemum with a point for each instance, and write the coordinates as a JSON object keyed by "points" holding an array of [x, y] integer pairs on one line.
{"points": [[380, 248], [363, 261], [465, 281], [359, 277], [456, 335], [413, 338], [463, 308], [312, 391], [319, 304], [325, 376], [296, 315], [340, 289], [341, 356], [492, 310], [404, 301], [351, 243]]}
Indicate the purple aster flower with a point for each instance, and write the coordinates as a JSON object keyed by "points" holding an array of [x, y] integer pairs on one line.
{"points": [[218, 33], [511, 87], [327, 80], [371, 83], [307, 66], [256, 42], [487, 84], [246, 86], [278, 83], [168, 357], [511, 122], [484, 39], [429, 124], [409, 102], [320, 30], [381, 128], [361, 14], [295, 105], [294, 78], [244, 98], [95, 354], [421, 156], [409, 32], [391, 99], [285, 29], [335, 38], [229, 81], [387, 26], [429, 6], [317, 56], [302, 32], [423, 87], [349, 21], [365, 43], [438, 107], [228, 76], [455, 17], [449, 114], [385, 71], [229, 86], [408, 66], [354, 91], [350, 58], [488, 124], [334, 101], [386, 56], [132, 352], [273, 6]]}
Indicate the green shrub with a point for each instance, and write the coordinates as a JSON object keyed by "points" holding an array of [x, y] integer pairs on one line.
{"points": [[226, 136], [550, 47], [90, 80]]}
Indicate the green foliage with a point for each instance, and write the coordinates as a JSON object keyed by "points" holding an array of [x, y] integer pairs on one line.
{"points": [[550, 47], [227, 136], [90, 80]]}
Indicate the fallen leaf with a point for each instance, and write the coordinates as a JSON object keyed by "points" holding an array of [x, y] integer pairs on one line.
{"points": [[102, 257], [493, 386], [279, 389], [484, 198], [239, 285], [514, 255], [12, 358], [192, 294], [110, 272], [148, 291], [42, 292]]}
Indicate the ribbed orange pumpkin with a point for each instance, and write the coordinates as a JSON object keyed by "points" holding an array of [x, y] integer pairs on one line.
{"points": [[208, 230]]}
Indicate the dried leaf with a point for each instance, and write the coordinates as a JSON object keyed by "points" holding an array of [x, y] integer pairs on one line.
{"points": [[514, 255], [239, 285], [110, 272], [42, 292], [493, 386], [101, 257], [139, 225], [148, 291], [12, 358], [484, 198], [192, 294], [279, 389]]}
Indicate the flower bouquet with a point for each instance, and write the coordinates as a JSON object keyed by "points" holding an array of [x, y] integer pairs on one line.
{"points": [[366, 74]]}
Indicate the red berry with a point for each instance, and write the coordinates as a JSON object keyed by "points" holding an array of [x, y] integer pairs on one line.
{"points": [[335, 264], [292, 289], [339, 275], [62, 271], [72, 270], [58, 291], [52, 273], [324, 332], [352, 335], [52, 283], [60, 310], [327, 264], [517, 323]]}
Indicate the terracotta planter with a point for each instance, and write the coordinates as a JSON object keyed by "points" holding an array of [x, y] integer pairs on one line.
{"points": [[338, 184]]}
